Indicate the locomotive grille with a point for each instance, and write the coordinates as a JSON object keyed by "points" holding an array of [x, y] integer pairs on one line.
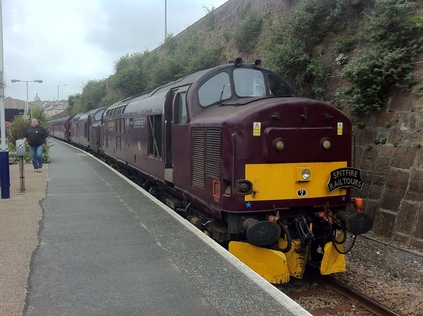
{"points": [[213, 153], [198, 153], [206, 155]]}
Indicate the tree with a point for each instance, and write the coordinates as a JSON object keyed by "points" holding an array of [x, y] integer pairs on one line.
{"points": [[74, 104], [17, 128], [92, 94]]}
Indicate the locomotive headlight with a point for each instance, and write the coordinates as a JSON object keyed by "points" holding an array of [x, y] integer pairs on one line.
{"points": [[325, 143], [279, 144], [303, 174], [243, 187], [306, 174]]}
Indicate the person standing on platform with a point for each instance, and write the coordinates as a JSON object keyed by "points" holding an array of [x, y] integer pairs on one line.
{"points": [[36, 135]]}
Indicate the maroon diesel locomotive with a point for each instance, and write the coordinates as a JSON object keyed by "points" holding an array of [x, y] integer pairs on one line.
{"points": [[235, 152], [85, 129]]}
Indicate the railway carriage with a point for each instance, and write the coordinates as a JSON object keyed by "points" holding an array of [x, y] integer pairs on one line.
{"points": [[61, 128]]}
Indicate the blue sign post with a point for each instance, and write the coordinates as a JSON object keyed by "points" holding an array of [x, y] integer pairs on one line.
{"points": [[4, 174], [4, 154]]}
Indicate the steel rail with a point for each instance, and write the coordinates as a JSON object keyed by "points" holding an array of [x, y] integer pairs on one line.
{"points": [[365, 301]]}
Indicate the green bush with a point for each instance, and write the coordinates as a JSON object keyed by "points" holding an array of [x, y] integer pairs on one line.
{"points": [[372, 74], [290, 43], [17, 128], [345, 44], [93, 94], [386, 58], [247, 32], [389, 41], [210, 18]]}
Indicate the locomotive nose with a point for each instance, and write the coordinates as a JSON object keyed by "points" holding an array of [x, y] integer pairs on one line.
{"points": [[261, 233]]}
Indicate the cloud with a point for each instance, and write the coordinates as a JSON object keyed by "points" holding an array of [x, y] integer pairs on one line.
{"points": [[121, 31], [73, 41]]}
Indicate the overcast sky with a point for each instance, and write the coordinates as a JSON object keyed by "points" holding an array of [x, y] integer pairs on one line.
{"points": [[69, 42]]}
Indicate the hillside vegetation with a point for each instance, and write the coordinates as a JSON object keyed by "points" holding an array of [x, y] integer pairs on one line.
{"points": [[370, 44]]}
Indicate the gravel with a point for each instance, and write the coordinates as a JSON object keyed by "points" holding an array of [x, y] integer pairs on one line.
{"points": [[388, 272]]}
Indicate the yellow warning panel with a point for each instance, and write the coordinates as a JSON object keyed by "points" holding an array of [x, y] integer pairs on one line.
{"points": [[333, 261], [280, 181], [296, 257], [268, 263]]}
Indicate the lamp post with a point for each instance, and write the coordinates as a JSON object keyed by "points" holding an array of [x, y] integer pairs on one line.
{"points": [[60, 85], [165, 20], [26, 81]]}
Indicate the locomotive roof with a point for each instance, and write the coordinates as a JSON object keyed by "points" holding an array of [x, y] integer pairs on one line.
{"points": [[59, 120], [189, 79], [186, 80]]}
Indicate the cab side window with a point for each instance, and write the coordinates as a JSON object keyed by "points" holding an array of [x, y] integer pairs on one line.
{"points": [[180, 109], [279, 88]]}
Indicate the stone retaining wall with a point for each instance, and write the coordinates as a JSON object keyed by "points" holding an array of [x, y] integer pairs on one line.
{"points": [[390, 154]]}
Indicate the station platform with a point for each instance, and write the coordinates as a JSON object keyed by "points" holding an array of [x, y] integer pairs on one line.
{"points": [[106, 247]]}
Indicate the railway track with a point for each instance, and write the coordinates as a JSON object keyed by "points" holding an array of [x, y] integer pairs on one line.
{"points": [[335, 297], [324, 295]]}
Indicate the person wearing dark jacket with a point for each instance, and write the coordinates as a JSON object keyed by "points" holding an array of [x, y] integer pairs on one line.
{"points": [[36, 135]]}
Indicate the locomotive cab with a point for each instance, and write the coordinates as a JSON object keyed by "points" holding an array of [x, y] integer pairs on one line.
{"points": [[274, 170]]}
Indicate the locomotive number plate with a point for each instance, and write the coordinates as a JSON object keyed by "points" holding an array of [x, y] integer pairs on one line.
{"points": [[301, 192]]}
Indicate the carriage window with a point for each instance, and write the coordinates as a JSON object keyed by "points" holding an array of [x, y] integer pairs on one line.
{"points": [[215, 89], [249, 83]]}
